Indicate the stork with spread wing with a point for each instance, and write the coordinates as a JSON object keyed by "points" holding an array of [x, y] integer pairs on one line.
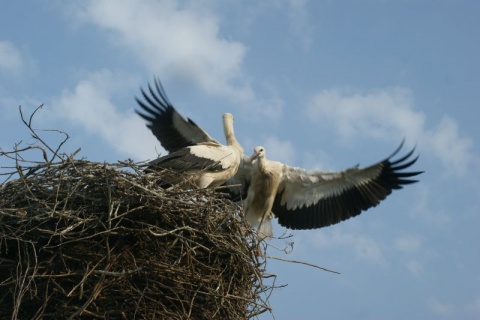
{"points": [[299, 198], [193, 153], [302, 199]]}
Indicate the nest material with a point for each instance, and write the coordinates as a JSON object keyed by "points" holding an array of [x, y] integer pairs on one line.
{"points": [[80, 239]]}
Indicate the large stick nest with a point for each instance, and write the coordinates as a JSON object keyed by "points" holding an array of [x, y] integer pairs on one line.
{"points": [[81, 239]]}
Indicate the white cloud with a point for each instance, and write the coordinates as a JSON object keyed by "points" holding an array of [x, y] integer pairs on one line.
{"points": [[89, 105], [169, 37], [278, 150], [440, 308], [266, 109], [454, 151], [463, 310], [11, 60], [299, 22], [364, 247], [422, 208], [182, 40], [318, 160], [474, 307], [414, 267], [408, 243], [390, 113], [376, 115]]}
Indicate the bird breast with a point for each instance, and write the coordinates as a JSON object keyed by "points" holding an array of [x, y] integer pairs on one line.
{"points": [[263, 187]]}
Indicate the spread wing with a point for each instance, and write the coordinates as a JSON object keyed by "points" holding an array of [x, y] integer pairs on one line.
{"points": [[169, 127], [315, 199]]}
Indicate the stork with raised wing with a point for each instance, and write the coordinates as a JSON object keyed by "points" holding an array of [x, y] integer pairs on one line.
{"points": [[194, 154], [302, 199]]}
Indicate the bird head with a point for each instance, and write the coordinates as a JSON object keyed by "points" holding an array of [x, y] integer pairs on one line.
{"points": [[258, 152], [228, 117]]}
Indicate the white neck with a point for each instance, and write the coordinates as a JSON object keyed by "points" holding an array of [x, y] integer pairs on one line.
{"points": [[229, 132], [262, 163]]}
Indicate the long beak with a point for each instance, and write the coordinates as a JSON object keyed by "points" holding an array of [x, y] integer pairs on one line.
{"points": [[254, 156]]}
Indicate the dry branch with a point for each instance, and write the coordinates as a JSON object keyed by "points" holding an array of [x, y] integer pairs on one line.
{"points": [[82, 239]]}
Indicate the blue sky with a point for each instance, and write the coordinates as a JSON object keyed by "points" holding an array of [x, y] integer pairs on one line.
{"points": [[322, 85]]}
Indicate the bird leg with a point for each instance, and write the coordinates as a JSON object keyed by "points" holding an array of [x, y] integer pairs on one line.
{"points": [[264, 229], [260, 253]]}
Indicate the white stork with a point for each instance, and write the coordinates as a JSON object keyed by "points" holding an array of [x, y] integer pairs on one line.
{"points": [[302, 199], [193, 152]]}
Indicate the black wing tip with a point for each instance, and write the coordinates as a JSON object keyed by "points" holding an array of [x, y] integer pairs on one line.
{"points": [[400, 164], [155, 102], [408, 174], [152, 109], [394, 153], [394, 168], [397, 150], [144, 116], [401, 160]]}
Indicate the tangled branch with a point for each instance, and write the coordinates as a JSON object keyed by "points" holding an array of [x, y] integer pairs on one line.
{"points": [[85, 238], [104, 240]]}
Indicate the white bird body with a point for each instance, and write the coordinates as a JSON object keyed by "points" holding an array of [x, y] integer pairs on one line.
{"points": [[264, 183], [206, 164], [194, 156], [302, 199]]}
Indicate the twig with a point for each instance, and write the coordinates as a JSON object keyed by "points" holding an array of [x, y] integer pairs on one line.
{"points": [[37, 137], [302, 262]]}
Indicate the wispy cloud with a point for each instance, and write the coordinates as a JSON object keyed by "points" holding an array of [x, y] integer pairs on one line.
{"points": [[318, 160], [89, 105], [279, 150], [183, 40], [299, 22], [408, 243], [364, 247], [390, 113], [469, 309], [423, 208], [415, 267], [454, 151], [473, 307], [374, 115], [440, 308], [11, 60], [166, 35]]}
